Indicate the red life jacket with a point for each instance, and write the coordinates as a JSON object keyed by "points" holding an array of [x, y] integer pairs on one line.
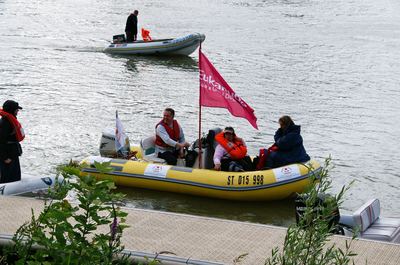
{"points": [[19, 131], [236, 149], [174, 133], [264, 153]]}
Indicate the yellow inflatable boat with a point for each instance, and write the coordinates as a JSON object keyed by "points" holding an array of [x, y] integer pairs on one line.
{"points": [[273, 184], [148, 171]]}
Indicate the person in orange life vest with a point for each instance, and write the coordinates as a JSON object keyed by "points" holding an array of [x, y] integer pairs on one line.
{"points": [[288, 146], [11, 133], [170, 140], [146, 35], [231, 152]]}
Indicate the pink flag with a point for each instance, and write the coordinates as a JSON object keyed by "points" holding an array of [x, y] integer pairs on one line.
{"points": [[215, 92]]}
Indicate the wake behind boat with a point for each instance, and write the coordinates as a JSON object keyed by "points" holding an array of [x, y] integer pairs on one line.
{"points": [[177, 46]]}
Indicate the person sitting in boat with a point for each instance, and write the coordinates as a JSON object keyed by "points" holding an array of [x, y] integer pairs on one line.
{"points": [[231, 152], [131, 27], [288, 147], [170, 140]]}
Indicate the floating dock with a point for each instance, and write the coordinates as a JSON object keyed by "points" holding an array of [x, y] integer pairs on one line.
{"points": [[197, 240]]}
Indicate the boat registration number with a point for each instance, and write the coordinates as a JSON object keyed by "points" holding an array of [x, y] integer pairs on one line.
{"points": [[245, 180]]}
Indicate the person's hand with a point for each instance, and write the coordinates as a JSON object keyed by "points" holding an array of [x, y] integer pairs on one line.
{"points": [[181, 153], [182, 145], [217, 167], [7, 161]]}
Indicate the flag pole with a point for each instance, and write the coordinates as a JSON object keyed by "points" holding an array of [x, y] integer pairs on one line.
{"points": [[200, 144], [116, 133]]}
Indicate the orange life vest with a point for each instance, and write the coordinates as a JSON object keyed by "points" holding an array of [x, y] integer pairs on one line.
{"points": [[236, 149], [174, 133], [146, 35], [19, 131]]}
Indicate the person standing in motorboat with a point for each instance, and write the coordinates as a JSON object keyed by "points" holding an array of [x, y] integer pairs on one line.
{"points": [[11, 133], [131, 28], [288, 147], [170, 140], [231, 152]]}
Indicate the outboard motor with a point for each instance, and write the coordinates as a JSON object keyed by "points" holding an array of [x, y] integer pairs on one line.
{"points": [[208, 145], [211, 145], [119, 38], [322, 201], [107, 145]]}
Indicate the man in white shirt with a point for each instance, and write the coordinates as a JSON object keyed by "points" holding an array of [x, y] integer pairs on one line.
{"points": [[170, 140]]}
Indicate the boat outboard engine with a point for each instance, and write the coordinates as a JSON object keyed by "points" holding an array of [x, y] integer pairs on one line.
{"points": [[119, 38], [107, 145], [210, 148], [208, 145], [322, 202]]}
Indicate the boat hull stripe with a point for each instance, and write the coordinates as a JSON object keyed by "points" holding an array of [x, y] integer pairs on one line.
{"points": [[208, 186]]}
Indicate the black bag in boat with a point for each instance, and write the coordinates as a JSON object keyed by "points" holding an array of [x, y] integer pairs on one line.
{"points": [[208, 147], [190, 158], [119, 38]]}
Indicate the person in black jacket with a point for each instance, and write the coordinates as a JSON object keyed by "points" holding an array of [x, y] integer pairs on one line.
{"points": [[10, 149], [131, 27], [289, 145]]}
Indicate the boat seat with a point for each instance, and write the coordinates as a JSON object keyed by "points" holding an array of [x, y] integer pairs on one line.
{"points": [[147, 146], [374, 227]]}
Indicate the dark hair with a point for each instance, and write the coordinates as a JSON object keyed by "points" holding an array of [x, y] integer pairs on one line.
{"points": [[229, 128], [286, 121], [170, 110]]}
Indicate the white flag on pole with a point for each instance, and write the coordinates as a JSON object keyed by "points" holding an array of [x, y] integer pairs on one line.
{"points": [[120, 136]]}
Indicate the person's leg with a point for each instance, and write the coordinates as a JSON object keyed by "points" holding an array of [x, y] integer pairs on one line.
{"points": [[16, 170], [134, 35], [246, 163], [2, 172], [169, 156], [269, 162], [10, 172], [235, 166], [225, 164], [278, 159], [129, 36]]}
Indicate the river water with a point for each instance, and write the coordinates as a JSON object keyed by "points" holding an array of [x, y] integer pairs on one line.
{"points": [[332, 65]]}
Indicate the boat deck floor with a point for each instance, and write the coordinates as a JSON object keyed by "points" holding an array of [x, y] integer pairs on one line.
{"points": [[196, 239]]}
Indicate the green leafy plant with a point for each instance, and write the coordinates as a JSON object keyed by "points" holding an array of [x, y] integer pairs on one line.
{"points": [[307, 241], [68, 233]]}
